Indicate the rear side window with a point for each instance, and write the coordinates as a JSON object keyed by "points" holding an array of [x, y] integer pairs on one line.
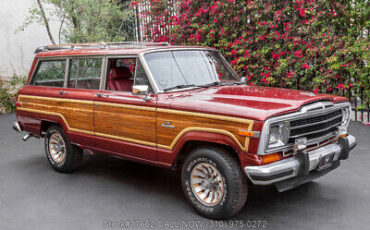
{"points": [[50, 73], [85, 73]]}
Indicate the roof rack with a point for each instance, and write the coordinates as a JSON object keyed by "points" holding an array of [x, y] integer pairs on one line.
{"points": [[99, 45]]}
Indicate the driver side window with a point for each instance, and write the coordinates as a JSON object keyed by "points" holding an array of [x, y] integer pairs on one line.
{"points": [[141, 78], [123, 73]]}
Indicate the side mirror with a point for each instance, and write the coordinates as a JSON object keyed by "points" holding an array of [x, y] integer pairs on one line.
{"points": [[140, 89], [243, 80]]}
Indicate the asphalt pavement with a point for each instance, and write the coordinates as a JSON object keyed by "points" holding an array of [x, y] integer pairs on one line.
{"points": [[109, 193]]}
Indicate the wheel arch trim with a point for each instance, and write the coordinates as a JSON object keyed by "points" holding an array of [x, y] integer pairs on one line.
{"points": [[187, 134]]}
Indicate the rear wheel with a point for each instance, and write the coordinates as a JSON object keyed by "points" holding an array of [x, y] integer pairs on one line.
{"points": [[62, 155], [214, 183]]}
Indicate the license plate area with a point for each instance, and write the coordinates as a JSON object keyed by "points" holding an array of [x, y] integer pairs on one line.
{"points": [[325, 162]]}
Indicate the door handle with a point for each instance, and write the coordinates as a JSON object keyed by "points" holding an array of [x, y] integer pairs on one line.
{"points": [[62, 92], [102, 95]]}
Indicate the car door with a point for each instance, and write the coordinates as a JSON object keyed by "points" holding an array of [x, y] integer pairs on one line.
{"points": [[125, 123], [80, 90]]}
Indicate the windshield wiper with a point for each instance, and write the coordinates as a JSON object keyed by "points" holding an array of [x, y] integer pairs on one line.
{"points": [[231, 83], [179, 87], [215, 83], [220, 83]]}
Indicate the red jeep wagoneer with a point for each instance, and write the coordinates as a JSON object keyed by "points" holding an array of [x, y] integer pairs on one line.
{"points": [[183, 108]]}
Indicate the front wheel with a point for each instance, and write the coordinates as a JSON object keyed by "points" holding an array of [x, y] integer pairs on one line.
{"points": [[62, 155], [214, 183]]}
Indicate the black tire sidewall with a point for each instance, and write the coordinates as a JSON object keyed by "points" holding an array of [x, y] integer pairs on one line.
{"points": [[224, 208], [69, 162]]}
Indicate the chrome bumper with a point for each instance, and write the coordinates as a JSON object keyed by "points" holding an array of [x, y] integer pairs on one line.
{"points": [[297, 166]]}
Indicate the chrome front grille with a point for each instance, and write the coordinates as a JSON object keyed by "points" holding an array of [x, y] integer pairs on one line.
{"points": [[315, 126], [318, 121]]}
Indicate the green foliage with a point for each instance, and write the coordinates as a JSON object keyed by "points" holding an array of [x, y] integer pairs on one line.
{"points": [[8, 93], [316, 45], [87, 20], [51, 70]]}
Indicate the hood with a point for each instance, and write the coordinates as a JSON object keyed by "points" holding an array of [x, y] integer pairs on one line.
{"points": [[252, 102]]}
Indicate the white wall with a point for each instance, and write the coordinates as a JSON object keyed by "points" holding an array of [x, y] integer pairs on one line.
{"points": [[17, 49]]}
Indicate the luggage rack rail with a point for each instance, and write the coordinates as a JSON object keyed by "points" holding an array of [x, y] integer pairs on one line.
{"points": [[99, 45]]}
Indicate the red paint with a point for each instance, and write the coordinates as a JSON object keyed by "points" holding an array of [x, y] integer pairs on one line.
{"points": [[250, 102], [31, 70]]}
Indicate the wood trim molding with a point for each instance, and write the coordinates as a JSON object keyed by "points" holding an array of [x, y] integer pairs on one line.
{"points": [[207, 115], [207, 130], [56, 99], [126, 139]]}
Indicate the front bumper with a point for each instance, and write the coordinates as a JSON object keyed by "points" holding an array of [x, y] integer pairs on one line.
{"points": [[292, 172]]}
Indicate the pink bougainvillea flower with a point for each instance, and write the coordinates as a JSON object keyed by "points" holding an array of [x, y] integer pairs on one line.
{"points": [[275, 56], [133, 4], [198, 37], [298, 53], [287, 31], [290, 74], [305, 66], [264, 79], [341, 86]]}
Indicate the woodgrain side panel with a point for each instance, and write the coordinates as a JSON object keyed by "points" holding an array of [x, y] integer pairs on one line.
{"points": [[77, 114], [136, 124], [126, 123]]}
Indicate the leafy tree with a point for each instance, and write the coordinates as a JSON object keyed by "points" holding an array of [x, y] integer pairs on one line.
{"points": [[86, 20]]}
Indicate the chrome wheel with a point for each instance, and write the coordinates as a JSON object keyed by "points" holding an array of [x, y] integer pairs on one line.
{"points": [[207, 184], [57, 148]]}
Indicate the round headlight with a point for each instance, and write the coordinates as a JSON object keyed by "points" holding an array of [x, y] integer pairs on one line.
{"points": [[279, 134]]}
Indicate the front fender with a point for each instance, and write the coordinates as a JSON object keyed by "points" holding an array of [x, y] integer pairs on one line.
{"points": [[170, 156]]}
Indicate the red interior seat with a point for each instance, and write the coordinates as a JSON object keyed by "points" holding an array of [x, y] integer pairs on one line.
{"points": [[120, 79]]}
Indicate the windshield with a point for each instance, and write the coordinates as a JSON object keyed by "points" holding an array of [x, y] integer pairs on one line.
{"points": [[172, 69]]}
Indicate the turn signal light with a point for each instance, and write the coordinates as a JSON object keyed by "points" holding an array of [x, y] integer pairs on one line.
{"points": [[18, 104], [270, 158], [248, 133], [343, 135]]}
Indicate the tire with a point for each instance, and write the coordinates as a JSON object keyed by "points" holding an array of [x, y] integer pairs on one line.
{"points": [[62, 159], [219, 200]]}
